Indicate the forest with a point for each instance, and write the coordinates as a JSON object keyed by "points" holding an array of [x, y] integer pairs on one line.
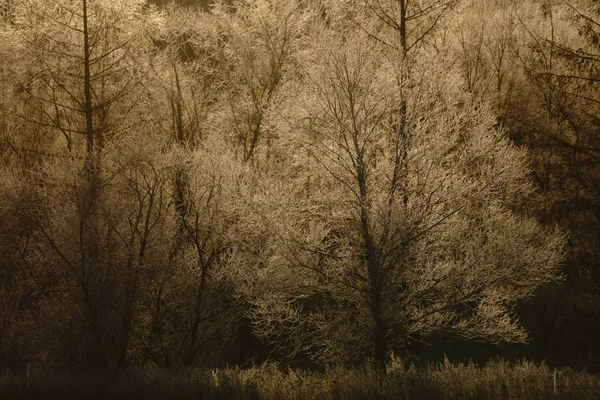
{"points": [[318, 185]]}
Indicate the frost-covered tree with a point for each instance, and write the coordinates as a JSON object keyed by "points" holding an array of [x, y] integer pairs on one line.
{"points": [[380, 238], [76, 66], [555, 112], [263, 39], [191, 316]]}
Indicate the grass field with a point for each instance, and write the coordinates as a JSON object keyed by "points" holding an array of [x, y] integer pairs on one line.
{"points": [[496, 380]]}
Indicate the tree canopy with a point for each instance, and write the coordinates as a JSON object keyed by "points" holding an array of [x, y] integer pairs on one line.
{"points": [[325, 181]]}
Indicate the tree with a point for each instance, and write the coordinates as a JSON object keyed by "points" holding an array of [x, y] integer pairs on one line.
{"points": [[74, 79], [263, 39], [401, 25], [556, 118], [79, 65], [189, 323], [385, 238], [131, 253]]}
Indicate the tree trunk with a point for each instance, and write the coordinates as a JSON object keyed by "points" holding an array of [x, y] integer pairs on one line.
{"points": [[87, 89], [193, 348], [375, 280], [374, 270], [402, 26]]}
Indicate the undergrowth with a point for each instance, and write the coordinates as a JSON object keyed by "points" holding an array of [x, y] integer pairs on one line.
{"points": [[496, 380]]}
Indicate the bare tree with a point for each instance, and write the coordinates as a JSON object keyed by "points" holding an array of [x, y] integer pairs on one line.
{"points": [[79, 56], [263, 40], [189, 78], [396, 239], [77, 76], [402, 25]]}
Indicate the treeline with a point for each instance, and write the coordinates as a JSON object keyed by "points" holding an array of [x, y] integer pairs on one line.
{"points": [[315, 182]]}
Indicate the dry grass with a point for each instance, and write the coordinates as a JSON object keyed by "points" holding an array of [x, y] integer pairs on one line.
{"points": [[496, 380]]}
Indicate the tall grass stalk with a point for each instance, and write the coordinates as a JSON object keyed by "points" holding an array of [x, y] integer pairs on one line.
{"points": [[496, 380]]}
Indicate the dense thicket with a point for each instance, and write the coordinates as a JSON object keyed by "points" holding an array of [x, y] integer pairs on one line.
{"points": [[318, 181]]}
